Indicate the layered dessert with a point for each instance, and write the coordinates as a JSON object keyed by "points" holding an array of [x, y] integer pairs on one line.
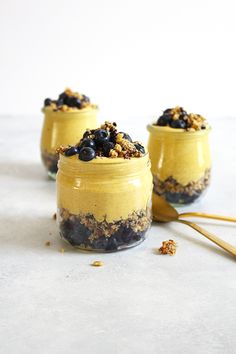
{"points": [[104, 187], [66, 118], [180, 155]]}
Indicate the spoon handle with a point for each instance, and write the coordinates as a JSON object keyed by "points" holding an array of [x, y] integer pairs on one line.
{"points": [[208, 216], [225, 245]]}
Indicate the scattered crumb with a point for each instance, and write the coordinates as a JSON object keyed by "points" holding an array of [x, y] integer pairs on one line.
{"points": [[168, 247], [54, 216], [97, 264], [48, 243], [62, 250]]}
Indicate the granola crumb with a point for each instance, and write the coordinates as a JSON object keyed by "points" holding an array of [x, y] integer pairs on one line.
{"points": [[62, 250], [168, 247], [48, 243], [97, 264], [54, 216]]}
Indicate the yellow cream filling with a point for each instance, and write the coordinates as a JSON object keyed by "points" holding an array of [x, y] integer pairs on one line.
{"points": [[183, 155], [109, 189], [66, 128]]}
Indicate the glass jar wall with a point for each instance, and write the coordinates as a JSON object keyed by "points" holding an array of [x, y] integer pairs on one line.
{"points": [[63, 128], [105, 204], [181, 163]]}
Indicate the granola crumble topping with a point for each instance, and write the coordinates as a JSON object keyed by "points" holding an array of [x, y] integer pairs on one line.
{"points": [[105, 141], [68, 101], [178, 118]]}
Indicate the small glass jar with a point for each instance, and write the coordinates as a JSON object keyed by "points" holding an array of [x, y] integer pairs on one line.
{"points": [[63, 128], [181, 163], [104, 204]]}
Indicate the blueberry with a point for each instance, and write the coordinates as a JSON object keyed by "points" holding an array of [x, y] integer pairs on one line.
{"points": [[126, 136], [111, 245], [88, 143], [167, 111], [183, 116], [86, 154], [107, 146], [183, 112], [47, 102], [140, 148], [178, 124], [73, 102], [112, 137], [69, 101], [60, 102], [164, 120], [77, 103], [101, 136], [62, 96], [86, 134], [85, 99], [71, 151]]}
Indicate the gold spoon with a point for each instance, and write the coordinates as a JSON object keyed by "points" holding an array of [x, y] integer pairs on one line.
{"points": [[163, 211]]}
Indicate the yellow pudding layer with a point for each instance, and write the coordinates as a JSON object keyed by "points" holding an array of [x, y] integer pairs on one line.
{"points": [[182, 154], [107, 188], [66, 128]]}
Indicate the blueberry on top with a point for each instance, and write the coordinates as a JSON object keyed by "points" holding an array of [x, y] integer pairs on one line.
{"points": [[107, 147], [87, 154], [140, 148], [164, 119], [71, 151], [178, 118], [104, 142], [101, 136], [69, 99], [88, 143], [178, 124], [47, 102]]}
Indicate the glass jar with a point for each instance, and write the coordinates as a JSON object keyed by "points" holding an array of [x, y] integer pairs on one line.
{"points": [[181, 163], [104, 204], [63, 128]]}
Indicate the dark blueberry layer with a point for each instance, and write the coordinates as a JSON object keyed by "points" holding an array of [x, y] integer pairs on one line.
{"points": [[50, 162], [181, 198], [78, 234]]}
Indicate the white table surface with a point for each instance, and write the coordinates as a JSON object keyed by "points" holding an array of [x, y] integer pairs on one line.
{"points": [[138, 302]]}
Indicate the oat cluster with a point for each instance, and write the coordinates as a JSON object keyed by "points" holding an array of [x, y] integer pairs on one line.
{"points": [[168, 247], [178, 118], [68, 101]]}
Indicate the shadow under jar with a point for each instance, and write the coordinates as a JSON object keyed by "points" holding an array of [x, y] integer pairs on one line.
{"points": [[104, 204], [63, 128], [181, 163]]}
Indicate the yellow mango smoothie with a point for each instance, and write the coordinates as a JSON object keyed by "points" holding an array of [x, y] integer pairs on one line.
{"points": [[104, 187], [65, 120], [180, 155]]}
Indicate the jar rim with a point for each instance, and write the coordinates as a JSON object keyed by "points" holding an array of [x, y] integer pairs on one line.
{"points": [[173, 131]]}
